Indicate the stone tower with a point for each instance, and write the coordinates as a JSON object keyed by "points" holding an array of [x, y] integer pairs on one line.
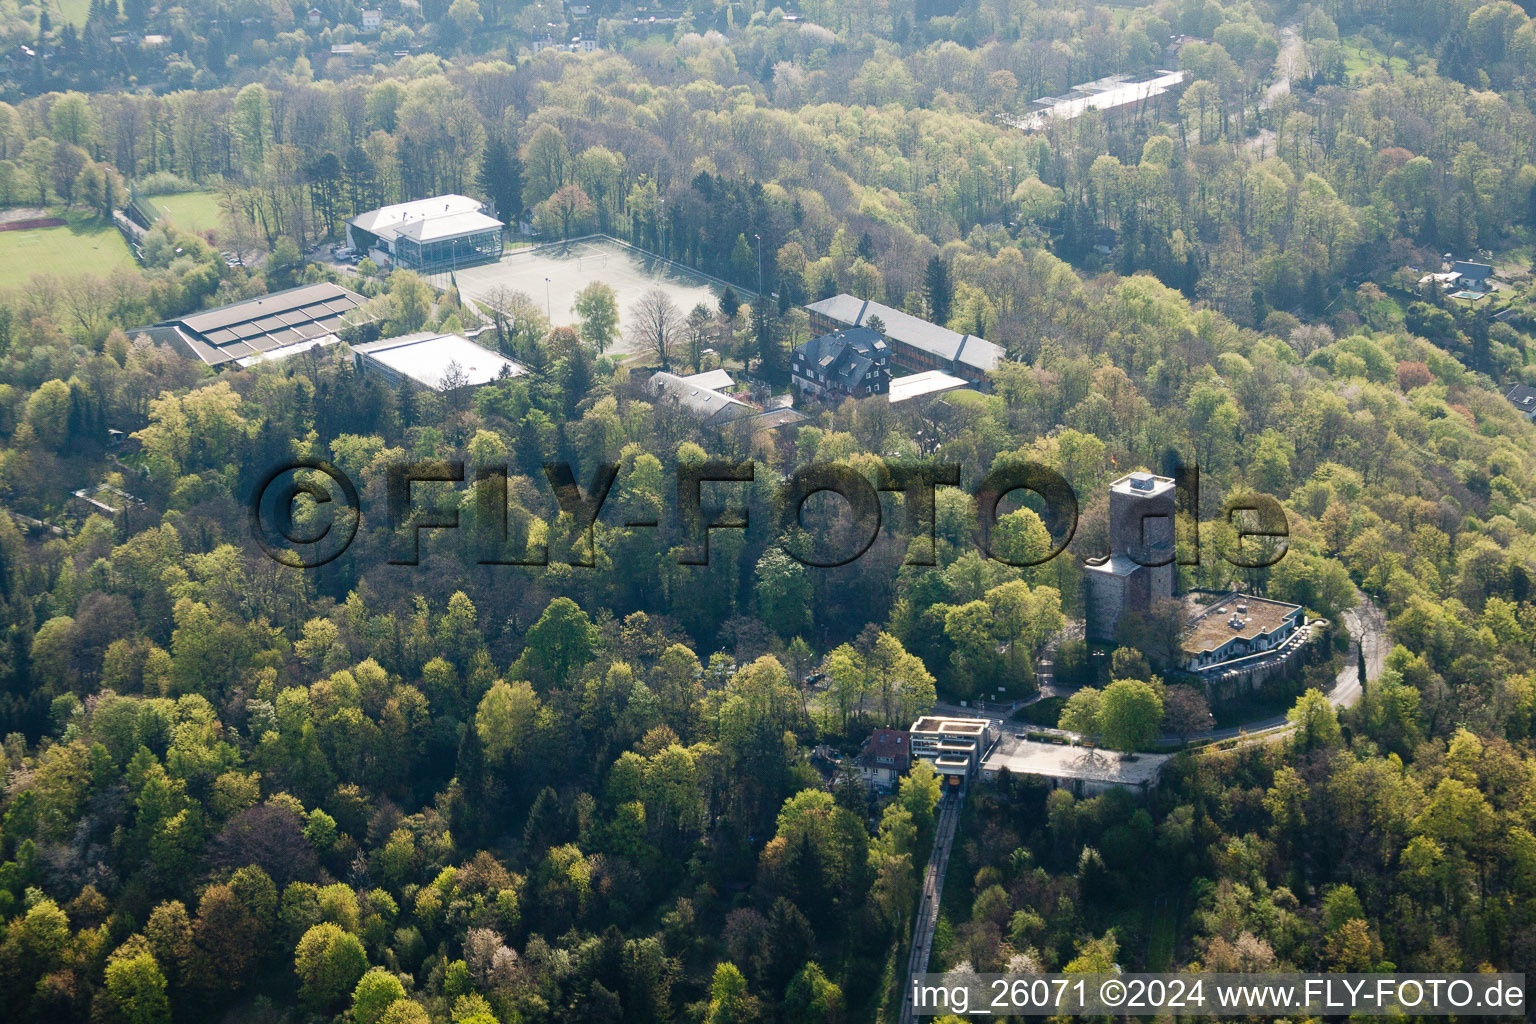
{"points": [[1141, 535]]}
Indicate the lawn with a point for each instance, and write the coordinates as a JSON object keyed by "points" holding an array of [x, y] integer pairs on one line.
{"points": [[72, 11], [84, 244], [1163, 940], [1043, 713], [1360, 55], [190, 211]]}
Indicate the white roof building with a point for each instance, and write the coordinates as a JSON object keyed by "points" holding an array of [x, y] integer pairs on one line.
{"points": [[705, 404], [435, 360], [711, 380], [428, 234], [927, 383], [1085, 772], [1109, 93], [388, 221]]}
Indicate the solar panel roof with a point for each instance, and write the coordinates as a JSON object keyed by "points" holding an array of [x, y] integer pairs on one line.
{"points": [[269, 321]]}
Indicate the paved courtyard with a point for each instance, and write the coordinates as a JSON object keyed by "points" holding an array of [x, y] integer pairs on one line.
{"points": [[552, 275], [1099, 769]]}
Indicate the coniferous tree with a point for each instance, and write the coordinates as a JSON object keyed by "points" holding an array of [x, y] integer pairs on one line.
{"points": [[941, 290]]}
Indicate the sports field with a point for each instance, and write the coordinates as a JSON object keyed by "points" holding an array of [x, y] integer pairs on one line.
{"points": [[82, 245], [190, 211], [552, 275]]}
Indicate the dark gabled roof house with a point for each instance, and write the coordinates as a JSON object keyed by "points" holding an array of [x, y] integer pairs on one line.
{"points": [[1472, 274], [1523, 398], [855, 361], [916, 344]]}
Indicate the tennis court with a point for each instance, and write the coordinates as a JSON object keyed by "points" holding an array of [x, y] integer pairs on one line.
{"points": [[551, 275]]}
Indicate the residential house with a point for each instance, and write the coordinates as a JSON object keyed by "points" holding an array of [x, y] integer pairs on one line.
{"points": [[886, 756], [1523, 398], [916, 344], [850, 363], [1474, 276]]}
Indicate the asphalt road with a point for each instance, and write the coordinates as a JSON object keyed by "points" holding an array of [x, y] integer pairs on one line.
{"points": [[1367, 626], [1291, 62]]}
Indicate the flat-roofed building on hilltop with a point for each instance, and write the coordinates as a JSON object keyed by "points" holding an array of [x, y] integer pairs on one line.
{"points": [[439, 362], [954, 746], [1082, 771], [427, 234], [272, 325], [1237, 627], [916, 344]]}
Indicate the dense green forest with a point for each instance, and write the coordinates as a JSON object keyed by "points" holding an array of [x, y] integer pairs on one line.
{"points": [[456, 791]]}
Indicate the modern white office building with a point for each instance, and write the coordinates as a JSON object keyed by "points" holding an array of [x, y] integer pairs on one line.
{"points": [[1110, 94], [954, 746]]}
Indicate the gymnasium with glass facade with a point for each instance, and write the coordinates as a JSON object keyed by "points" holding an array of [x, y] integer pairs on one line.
{"points": [[435, 234]]}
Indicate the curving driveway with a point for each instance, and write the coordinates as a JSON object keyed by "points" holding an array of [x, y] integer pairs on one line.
{"points": [[1367, 626]]}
